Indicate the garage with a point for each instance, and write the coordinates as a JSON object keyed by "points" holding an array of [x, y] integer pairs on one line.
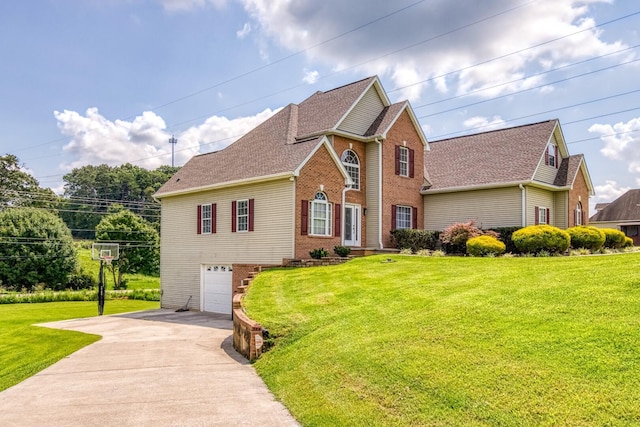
{"points": [[216, 283]]}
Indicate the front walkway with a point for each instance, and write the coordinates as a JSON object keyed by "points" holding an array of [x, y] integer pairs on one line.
{"points": [[153, 368]]}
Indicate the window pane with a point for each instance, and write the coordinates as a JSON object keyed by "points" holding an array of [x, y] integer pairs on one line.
{"points": [[206, 219], [242, 210], [404, 161], [403, 217]]}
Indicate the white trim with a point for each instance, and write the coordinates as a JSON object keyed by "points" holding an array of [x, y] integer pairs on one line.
{"points": [[380, 194], [536, 184], [258, 179], [238, 215], [356, 217]]}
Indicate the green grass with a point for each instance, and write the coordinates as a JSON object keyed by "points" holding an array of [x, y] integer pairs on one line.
{"points": [[26, 349], [455, 341], [134, 281]]}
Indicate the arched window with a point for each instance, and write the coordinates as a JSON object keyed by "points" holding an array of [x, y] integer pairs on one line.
{"points": [[352, 165], [320, 215], [579, 214]]}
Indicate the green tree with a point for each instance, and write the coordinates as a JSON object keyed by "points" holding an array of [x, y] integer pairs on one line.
{"points": [[90, 190], [35, 247], [138, 240], [20, 189]]}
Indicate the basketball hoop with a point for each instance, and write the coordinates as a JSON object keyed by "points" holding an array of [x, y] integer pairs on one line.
{"points": [[107, 259]]}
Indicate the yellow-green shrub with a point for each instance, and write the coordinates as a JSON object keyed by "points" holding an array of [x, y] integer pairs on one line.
{"points": [[585, 237], [485, 245], [614, 239], [628, 242], [541, 238]]}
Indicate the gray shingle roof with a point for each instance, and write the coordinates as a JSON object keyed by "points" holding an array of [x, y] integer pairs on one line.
{"points": [[495, 157], [624, 208], [568, 170], [273, 147]]}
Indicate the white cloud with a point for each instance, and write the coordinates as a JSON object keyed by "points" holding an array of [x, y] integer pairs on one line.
{"points": [[244, 32], [145, 141], [487, 30], [310, 77], [621, 142], [610, 191], [484, 124]]}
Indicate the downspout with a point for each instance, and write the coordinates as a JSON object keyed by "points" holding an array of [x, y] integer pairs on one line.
{"points": [[524, 205], [379, 193]]}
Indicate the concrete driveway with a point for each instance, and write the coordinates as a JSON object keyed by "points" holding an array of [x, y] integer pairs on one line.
{"points": [[153, 368]]}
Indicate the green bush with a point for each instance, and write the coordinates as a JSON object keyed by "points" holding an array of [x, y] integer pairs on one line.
{"points": [[614, 239], [319, 253], [407, 238], [342, 251], [585, 237], [81, 280], [485, 246], [628, 242], [504, 235], [541, 239]]}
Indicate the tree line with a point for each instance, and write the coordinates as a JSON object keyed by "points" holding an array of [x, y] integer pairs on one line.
{"points": [[104, 203]]}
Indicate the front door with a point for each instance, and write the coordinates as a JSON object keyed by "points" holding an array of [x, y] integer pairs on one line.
{"points": [[352, 225]]}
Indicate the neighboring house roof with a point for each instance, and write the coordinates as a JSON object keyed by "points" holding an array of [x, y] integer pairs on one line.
{"points": [[490, 158], [283, 143], [600, 206], [624, 208]]}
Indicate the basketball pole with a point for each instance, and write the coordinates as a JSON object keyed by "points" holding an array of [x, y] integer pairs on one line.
{"points": [[101, 289]]}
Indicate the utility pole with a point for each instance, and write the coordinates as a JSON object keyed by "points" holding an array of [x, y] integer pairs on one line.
{"points": [[173, 141]]}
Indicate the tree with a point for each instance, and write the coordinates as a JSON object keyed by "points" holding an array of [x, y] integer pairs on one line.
{"points": [[19, 189], [138, 240], [35, 247], [90, 190]]}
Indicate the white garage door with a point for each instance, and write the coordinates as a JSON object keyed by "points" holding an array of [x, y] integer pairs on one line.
{"points": [[217, 288]]}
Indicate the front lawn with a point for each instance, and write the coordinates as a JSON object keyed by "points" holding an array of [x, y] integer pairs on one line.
{"points": [[26, 349], [455, 341]]}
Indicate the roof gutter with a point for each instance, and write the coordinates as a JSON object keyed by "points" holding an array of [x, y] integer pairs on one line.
{"points": [[227, 184], [537, 184], [524, 205]]}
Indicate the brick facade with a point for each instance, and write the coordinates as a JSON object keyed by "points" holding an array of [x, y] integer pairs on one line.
{"points": [[579, 193], [399, 190], [320, 173]]}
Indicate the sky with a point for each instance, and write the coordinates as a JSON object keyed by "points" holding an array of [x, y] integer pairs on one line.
{"points": [[111, 81]]}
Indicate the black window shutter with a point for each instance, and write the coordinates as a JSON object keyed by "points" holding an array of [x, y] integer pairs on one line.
{"points": [[213, 218], [304, 218], [397, 160], [251, 207], [537, 215], [233, 216], [414, 218], [199, 217], [411, 159], [548, 210], [337, 222], [393, 216], [557, 159]]}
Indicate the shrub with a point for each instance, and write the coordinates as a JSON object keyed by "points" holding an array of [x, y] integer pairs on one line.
{"points": [[319, 253], [485, 246], [504, 235], [406, 238], [537, 239], [81, 280], [614, 239], [342, 251], [585, 237], [454, 238], [628, 242]]}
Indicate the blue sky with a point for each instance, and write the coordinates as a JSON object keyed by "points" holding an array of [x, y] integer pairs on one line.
{"points": [[109, 81]]}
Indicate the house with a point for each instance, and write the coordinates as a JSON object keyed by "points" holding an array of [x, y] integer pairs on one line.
{"points": [[622, 214], [511, 177], [343, 167]]}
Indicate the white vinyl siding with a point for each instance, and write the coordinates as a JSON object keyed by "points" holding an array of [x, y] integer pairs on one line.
{"points": [[182, 252], [499, 207], [547, 173], [372, 218], [366, 111], [539, 197]]}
